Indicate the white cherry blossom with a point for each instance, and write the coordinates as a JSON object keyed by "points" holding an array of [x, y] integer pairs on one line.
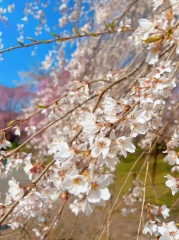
{"points": [[125, 145], [164, 211], [75, 184], [100, 146], [172, 183], [17, 130], [64, 152], [89, 124], [171, 158], [168, 231], [11, 8], [30, 130], [5, 143], [98, 190], [150, 227], [174, 141], [16, 192], [110, 160], [28, 165]]}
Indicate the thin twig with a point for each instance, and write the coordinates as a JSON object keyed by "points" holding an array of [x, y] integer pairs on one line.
{"points": [[57, 216], [153, 190], [144, 194], [59, 39]]}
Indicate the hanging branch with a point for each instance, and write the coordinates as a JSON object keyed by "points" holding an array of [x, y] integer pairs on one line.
{"points": [[61, 39]]}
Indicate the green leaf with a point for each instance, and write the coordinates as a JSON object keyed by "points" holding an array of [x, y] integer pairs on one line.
{"points": [[152, 39], [41, 106], [94, 35], [31, 39], [112, 25], [106, 26], [76, 31], [21, 43], [54, 35], [11, 122]]}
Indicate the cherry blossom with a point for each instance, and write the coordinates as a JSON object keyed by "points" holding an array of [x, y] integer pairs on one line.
{"points": [[30, 130], [16, 192], [64, 152], [164, 211], [11, 8], [172, 183], [171, 158], [151, 227], [168, 231], [98, 190], [125, 145], [101, 145], [110, 160], [4, 144], [75, 184], [174, 141], [17, 131], [89, 124]]}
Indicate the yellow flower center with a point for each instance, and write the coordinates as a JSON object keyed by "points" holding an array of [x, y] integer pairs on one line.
{"points": [[76, 181], [94, 185], [101, 144]]}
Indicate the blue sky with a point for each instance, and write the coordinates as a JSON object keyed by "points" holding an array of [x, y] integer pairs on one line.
{"points": [[21, 60]]}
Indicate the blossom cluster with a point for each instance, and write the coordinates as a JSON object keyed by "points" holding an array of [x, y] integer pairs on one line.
{"points": [[156, 227]]}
